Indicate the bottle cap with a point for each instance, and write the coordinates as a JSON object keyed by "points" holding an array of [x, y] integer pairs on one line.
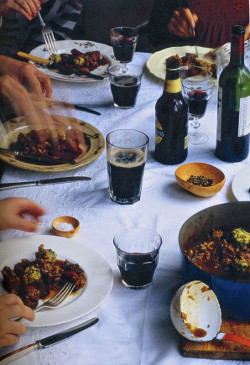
{"points": [[172, 63], [238, 29]]}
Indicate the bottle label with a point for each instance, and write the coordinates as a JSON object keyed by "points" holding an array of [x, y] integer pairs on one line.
{"points": [[172, 86], [159, 134], [244, 117], [185, 142], [219, 114]]}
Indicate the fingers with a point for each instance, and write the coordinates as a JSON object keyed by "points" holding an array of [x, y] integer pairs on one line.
{"points": [[19, 213], [33, 84], [183, 23], [23, 224], [247, 32], [8, 339], [32, 208], [11, 306], [28, 8], [37, 81]]}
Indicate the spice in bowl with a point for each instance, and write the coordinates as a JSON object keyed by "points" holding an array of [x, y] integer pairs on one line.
{"points": [[200, 181], [66, 226]]}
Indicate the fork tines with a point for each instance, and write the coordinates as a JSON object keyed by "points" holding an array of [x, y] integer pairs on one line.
{"points": [[62, 294], [50, 42]]}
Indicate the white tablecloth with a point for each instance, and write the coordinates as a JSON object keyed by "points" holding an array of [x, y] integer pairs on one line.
{"points": [[135, 326]]}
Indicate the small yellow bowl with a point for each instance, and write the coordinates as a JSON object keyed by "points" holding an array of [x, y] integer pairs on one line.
{"points": [[59, 226], [183, 172]]}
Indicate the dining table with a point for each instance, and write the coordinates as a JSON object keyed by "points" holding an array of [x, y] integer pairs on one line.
{"points": [[134, 326]]}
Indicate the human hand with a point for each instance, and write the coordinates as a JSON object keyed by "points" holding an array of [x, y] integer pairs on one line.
{"points": [[28, 8], [29, 75], [183, 23], [15, 97], [11, 306], [247, 32], [14, 212]]}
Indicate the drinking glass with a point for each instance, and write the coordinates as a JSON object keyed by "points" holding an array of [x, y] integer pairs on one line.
{"points": [[137, 256], [126, 158], [223, 56], [124, 41], [125, 85], [197, 87]]}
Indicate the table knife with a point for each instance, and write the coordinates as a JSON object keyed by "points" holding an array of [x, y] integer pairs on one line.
{"points": [[51, 65], [76, 106], [47, 341], [58, 180]]}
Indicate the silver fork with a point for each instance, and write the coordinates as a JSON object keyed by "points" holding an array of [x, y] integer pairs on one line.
{"points": [[48, 36], [56, 300]]}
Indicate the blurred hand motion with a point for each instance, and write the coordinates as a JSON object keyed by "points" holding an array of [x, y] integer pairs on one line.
{"points": [[183, 23], [20, 213]]}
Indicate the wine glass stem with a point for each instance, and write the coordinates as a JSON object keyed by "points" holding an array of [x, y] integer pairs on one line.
{"points": [[195, 122], [124, 67]]}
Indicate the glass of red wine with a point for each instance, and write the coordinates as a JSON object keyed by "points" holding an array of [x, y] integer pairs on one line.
{"points": [[124, 41], [197, 87], [137, 256]]}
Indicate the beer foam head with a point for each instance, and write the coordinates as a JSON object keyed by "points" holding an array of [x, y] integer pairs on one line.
{"points": [[127, 158]]}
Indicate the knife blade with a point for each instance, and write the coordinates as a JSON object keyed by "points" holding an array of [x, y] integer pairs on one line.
{"points": [[76, 106], [58, 180], [39, 158], [47, 341]]}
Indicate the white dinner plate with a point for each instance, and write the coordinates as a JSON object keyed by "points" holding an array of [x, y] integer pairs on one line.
{"points": [[241, 184], [66, 47], [97, 269], [157, 62]]}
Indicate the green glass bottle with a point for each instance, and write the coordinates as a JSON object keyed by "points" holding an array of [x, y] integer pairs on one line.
{"points": [[233, 110], [171, 114]]}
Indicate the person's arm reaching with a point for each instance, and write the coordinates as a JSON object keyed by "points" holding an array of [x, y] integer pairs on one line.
{"points": [[27, 74]]}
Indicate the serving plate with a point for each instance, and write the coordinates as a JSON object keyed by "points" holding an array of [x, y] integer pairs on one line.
{"points": [[97, 269], [82, 46], [157, 62], [241, 184], [13, 127]]}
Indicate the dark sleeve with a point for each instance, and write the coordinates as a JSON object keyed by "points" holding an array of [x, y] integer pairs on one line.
{"points": [[158, 24]]}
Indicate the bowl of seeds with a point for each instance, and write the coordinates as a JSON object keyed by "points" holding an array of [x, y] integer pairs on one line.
{"points": [[200, 179]]}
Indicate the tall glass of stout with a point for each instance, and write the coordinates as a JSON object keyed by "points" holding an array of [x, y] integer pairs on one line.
{"points": [[126, 158], [125, 85]]}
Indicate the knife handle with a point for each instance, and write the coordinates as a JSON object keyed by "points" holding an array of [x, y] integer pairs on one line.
{"points": [[237, 338], [6, 359], [33, 58]]}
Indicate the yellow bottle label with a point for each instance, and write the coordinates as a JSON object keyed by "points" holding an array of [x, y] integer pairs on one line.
{"points": [[159, 134], [172, 86], [185, 142]]}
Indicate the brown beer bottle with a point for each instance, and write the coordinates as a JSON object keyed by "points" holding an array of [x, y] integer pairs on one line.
{"points": [[171, 112]]}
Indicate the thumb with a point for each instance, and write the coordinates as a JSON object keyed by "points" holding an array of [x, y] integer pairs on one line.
{"points": [[195, 18]]}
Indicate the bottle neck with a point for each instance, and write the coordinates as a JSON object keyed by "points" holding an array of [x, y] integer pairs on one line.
{"points": [[237, 50], [172, 83]]}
